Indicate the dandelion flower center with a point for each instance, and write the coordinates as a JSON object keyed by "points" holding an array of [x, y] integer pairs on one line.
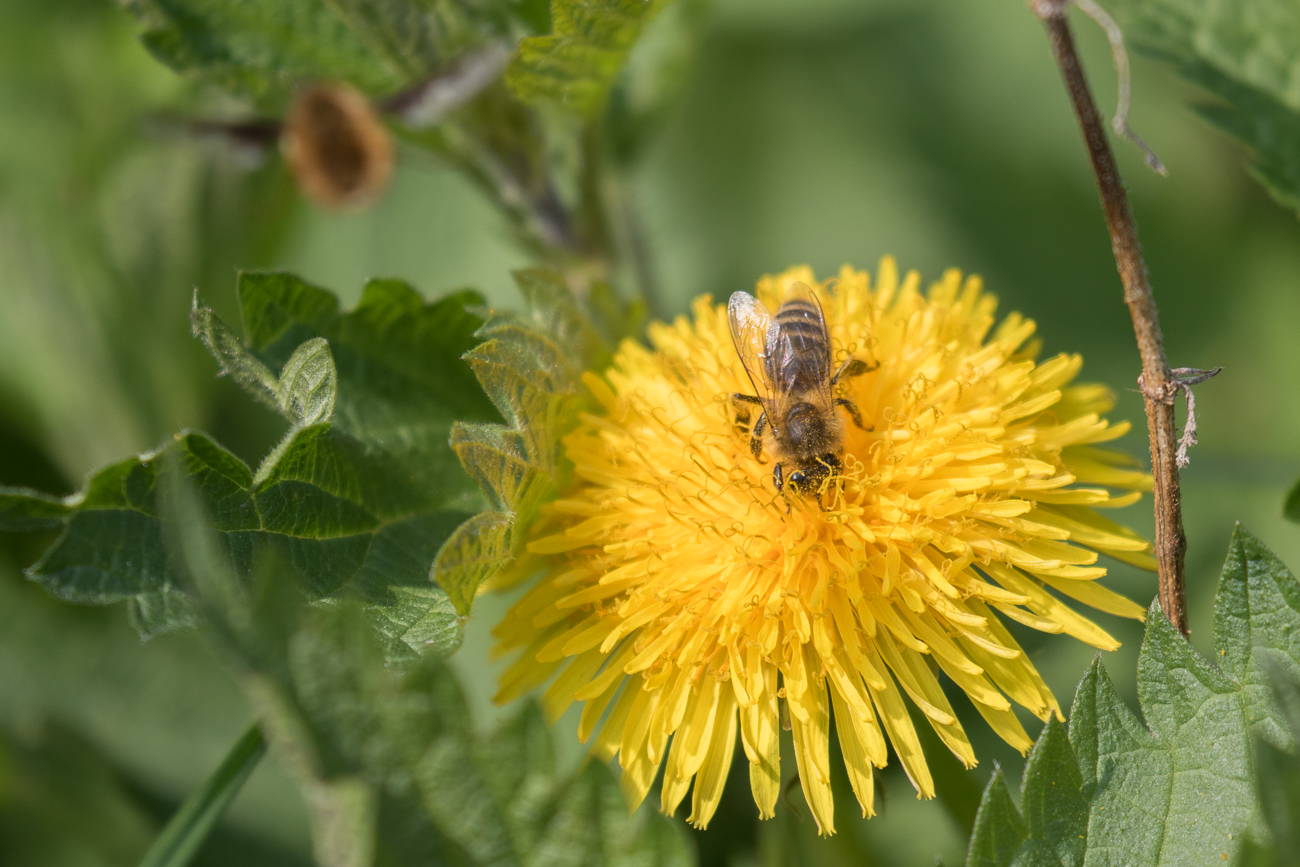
{"points": [[684, 599]]}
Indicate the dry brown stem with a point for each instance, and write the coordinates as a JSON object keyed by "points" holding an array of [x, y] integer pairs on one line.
{"points": [[1157, 379]]}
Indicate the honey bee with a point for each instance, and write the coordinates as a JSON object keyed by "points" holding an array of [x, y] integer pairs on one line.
{"points": [[788, 359]]}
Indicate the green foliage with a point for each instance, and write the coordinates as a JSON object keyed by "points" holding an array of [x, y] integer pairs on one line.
{"points": [[263, 49], [576, 64], [1177, 790], [386, 754], [530, 366], [1278, 781], [1291, 508], [1246, 53], [355, 500]]}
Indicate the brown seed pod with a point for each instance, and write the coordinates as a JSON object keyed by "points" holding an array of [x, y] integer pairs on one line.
{"points": [[337, 147]]}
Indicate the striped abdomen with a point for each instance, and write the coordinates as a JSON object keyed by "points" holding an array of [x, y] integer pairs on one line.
{"points": [[799, 355]]}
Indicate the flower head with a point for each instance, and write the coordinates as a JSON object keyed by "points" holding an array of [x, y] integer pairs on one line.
{"points": [[685, 600]]}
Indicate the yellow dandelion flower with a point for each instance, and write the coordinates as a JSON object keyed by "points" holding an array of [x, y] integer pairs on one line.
{"points": [[684, 599]]}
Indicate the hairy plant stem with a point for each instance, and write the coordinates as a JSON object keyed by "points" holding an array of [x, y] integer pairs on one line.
{"points": [[1157, 381]]}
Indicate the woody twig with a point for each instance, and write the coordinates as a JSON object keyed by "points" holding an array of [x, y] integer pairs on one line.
{"points": [[1158, 382]]}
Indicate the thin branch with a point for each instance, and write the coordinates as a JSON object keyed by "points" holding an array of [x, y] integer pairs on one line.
{"points": [[1157, 378]]}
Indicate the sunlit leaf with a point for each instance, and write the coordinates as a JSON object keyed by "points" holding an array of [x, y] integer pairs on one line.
{"points": [[530, 366], [355, 501], [576, 64], [1178, 789]]}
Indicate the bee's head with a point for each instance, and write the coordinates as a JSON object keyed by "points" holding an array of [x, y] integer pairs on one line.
{"points": [[809, 477]]}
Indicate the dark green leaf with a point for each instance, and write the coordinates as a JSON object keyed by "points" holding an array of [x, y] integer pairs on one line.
{"points": [[263, 48], [1255, 616], [1248, 54], [999, 830], [530, 367], [576, 64], [1177, 790], [189, 828], [1278, 778], [355, 502], [1056, 811], [23, 510]]}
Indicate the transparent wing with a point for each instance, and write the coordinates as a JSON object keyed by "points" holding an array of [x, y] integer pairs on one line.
{"points": [[800, 347], [750, 326]]}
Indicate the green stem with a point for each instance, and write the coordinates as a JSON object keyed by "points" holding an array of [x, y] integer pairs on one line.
{"points": [[195, 819]]}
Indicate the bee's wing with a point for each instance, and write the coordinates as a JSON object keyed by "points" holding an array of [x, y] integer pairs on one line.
{"points": [[800, 346], [750, 326]]}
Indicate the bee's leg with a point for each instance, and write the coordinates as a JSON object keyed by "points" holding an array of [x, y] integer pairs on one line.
{"points": [[853, 367], [853, 411], [756, 438], [778, 479]]}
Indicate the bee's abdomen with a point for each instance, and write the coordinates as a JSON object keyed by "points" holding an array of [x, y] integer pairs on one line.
{"points": [[800, 319], [801, 325]]}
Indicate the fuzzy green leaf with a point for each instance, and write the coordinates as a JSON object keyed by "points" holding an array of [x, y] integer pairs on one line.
{"points": [[1247, 53], [530, 366], [235, 360], [264, 49], [1179, 789], [23, 510], [309, 383], [1278, 777], [577, 63], [355, 501]]}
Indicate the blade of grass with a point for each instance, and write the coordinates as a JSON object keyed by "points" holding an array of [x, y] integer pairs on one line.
{"points": [[192, 823]]}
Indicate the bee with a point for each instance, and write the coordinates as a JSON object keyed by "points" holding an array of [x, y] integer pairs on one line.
{"points": [[788, 359]]}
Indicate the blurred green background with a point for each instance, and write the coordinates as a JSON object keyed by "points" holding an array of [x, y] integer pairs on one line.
{"points": [[817, 131]]}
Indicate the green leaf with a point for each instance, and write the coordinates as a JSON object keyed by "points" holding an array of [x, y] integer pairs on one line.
{"points": [[236, 361], [1177, 790], [23, 510], [1247, 53], [309, 383], [263, 49], [189, 827], [999, 830], [355, 501], [576, 64], [530, 366], [1278, 778]]}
